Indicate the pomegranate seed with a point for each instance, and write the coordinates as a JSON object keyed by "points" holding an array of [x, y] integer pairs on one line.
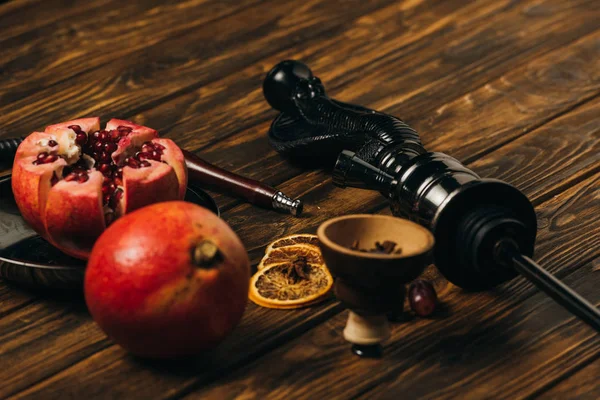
{"points": [[82, 178], [106, 198], [75, 128], [142, 156], [50, 159], [103, 136], [147, 148], [115, 136], [52, 143], [81, 139], [42, 156], [105, 157], [145, 164], [98, 146], [70, 177], [110, 147], [109, 189], [118, 182], [96, 135], [104, 168], [155, 155], [124, 128], [132, 162], [159, 146], [106, 180]]}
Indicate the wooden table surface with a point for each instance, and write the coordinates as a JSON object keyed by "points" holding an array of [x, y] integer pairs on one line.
{"points": [[512, 88]]}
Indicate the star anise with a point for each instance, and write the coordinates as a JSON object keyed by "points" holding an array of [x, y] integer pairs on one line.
{"points": [[298, 269]]}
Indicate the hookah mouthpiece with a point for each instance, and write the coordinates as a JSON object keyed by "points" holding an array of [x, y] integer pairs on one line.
{"points": [[471, 217]]}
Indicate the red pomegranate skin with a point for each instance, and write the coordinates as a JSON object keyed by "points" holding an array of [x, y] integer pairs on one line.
{"points": [[147, 294], [121, 168]]}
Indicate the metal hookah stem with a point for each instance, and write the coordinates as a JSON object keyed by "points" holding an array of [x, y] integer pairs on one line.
{"points": [[557, 290]]}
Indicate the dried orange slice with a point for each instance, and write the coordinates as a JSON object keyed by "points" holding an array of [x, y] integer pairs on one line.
{"points": [[301, 238], [289, 253], [290, 284]]}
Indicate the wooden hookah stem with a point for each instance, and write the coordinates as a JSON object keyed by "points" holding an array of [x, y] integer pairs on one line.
{"points": [[253, 191]]}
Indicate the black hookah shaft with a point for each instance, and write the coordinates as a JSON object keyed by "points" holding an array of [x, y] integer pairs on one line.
{"points": [[484, 228], [549, 284], [488, 245]]}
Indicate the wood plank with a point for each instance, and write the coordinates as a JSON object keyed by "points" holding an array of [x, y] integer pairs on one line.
{"points": [[485, 114], [48, 329], [281, 374], [13, 298], [268, 328], [17, 17], [162, 71], [361, 72], [329, 200], [517, 93], [545, 342], [478, 332], [97, 37], [581, 385], [175, 378]]}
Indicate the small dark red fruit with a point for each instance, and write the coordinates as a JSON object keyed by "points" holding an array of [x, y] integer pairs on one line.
{"points": [[422, 298]]}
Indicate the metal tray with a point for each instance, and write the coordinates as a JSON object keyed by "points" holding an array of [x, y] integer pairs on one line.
{"points": [[27, 259]]}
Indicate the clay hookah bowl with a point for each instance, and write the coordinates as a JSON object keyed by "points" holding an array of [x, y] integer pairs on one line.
{"points": [[372, 284]]}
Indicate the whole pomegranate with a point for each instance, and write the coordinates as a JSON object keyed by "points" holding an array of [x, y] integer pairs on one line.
{"points": [[72, 180], [168, 280]]}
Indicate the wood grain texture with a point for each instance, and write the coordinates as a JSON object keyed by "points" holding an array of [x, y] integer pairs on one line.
{"points": [[509, 86], [360, 71], [485, 326], [581, 385], [487, 116], [242, 347], [19, 16], [499, 111], [156, 73], [93, 39]]}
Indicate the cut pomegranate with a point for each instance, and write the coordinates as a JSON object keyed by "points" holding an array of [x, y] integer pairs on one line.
{"points": [[74, 179]]}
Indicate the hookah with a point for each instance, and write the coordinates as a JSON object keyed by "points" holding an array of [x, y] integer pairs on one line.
{"points": [[484, 229]]}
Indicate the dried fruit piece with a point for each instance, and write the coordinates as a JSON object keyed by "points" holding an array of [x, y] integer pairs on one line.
{"points": [[288, 253], [291, 284], [385, 247], [301, 238], [422, 297], [72, 180], [292, 274]]}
